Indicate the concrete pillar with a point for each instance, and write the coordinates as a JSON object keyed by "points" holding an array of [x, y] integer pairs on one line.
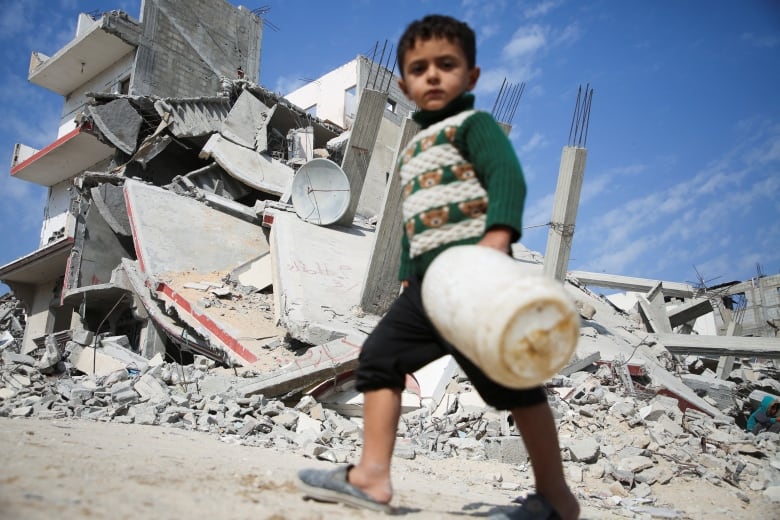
{"points": [[726, 363], [151, 341], [381, 285], [371, 110], [567, 200]]}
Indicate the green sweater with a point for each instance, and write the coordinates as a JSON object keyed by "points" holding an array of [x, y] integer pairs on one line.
{"points": [[460, 177]]}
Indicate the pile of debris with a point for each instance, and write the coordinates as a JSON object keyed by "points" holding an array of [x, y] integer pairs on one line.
{"points": [[625, 442], [209, 302], [12, 320]]}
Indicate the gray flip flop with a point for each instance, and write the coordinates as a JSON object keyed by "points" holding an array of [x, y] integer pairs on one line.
{"points": [[533, 507], [332, 486]]}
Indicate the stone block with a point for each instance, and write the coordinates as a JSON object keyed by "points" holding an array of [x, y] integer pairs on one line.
{"points": [[508, 449], [150, 388], [635, 463], [83, 337], [584, 450]]}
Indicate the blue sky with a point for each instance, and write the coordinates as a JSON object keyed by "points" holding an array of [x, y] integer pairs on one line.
{"points": [[683, 164]]}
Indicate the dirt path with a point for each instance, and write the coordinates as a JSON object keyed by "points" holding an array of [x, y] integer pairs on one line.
{"points": [[81, 469]]}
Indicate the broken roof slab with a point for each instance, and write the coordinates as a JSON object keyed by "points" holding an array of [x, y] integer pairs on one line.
{"points": [[253, 169], [758, 347], [119, 123], [194, 117], [172, 233], [239, 331], [286, 116], [318, 277], [140, 284], [629, 283], [245, 124], [110, 202]]}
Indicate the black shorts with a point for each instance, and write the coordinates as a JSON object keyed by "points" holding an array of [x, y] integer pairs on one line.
{"points": [[405, 340]]}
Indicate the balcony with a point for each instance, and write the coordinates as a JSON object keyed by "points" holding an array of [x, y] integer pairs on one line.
{"points": [[66, 157], [98, 47]]}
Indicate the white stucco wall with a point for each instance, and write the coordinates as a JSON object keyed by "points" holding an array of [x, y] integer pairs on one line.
{"points": [[56, 213], [106, 81], [327, 92]]}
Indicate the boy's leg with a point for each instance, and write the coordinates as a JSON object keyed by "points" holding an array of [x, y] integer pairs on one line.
{"points": [[381, 411], [537, 427]]}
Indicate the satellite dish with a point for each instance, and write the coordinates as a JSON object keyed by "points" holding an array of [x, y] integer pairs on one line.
{"points": [[320, 192]]}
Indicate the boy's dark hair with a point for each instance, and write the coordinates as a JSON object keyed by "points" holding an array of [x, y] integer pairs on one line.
{"points": [[438, 26]]}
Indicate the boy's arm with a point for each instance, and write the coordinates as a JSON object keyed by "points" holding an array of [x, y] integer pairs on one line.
{"points": [[488, 149], [498, 237]]}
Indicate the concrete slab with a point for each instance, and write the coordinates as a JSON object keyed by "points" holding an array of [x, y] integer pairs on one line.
{"points": [[317, 364], [243, 123], [140, 284], [103, 361], [119, 122], [257, 273], [172, 233], [318, 277], [721, 345], [110, 202], [238, 330], [254, 169], [194, 117]]}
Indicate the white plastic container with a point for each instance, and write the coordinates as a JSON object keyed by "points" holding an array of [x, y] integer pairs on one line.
{"points": [[520, 327]]}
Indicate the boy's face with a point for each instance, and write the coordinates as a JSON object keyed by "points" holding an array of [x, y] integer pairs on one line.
{"points": [[435, 72]]}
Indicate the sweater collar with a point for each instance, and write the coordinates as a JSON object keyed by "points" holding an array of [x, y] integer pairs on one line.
{"points": [[426, 118]]}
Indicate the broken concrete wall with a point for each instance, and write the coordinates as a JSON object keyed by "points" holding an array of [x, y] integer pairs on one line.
{"points": [[40, 317], [760, 297], [177, 55], [96, 251]]}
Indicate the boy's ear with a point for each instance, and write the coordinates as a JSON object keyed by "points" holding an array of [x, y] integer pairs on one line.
{"points": [[473, 77], [402, 86]]}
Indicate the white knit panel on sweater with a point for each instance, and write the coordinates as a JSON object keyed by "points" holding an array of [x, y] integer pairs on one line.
{"points": [[433, 238], [422, 200], [454, 192]]}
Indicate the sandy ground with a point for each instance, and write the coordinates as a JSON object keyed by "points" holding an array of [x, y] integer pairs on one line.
{"points": [[82, 469]]}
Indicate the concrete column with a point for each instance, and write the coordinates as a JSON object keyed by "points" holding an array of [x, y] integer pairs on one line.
{"points": [[567, 200], [726, 363], [381, 285], [371, 110]]}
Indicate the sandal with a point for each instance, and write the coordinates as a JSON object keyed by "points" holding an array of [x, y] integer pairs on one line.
{"points": [[333, 486]]}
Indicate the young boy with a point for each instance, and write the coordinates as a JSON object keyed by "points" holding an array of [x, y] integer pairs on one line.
{"points": [[764, 418], [462, 184]]}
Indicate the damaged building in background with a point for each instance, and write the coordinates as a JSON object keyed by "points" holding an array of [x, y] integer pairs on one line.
{"points": [[168, 159], [195, 215]]}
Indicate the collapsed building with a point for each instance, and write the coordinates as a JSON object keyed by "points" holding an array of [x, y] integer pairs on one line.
{"points": [[197, 220]]}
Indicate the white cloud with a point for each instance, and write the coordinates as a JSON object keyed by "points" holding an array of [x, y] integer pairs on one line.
{"points": [[536, 141], [618, 259], [526, 42], [570, 34], [541, 8]]}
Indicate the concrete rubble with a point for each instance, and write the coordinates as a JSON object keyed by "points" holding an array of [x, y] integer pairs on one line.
{"points": [[253, 325], [205, 301], [629, 443]]}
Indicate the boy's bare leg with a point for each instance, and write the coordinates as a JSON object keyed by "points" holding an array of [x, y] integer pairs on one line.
{"points": [[381, 410], [537, 426]]}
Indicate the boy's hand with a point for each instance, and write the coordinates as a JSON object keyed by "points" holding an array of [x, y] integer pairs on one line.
{"points": [[497, 237]]}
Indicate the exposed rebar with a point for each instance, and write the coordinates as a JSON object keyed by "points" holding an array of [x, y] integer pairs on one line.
{"points": [[580, 121], [507, 101]]}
